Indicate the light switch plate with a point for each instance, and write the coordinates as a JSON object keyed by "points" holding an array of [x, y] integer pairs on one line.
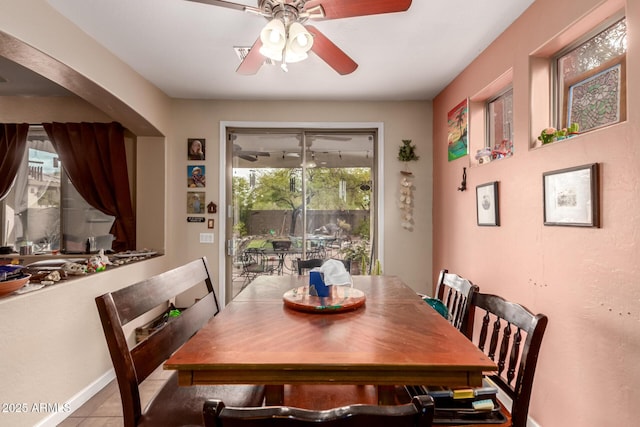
{"points": [[206, 237]]}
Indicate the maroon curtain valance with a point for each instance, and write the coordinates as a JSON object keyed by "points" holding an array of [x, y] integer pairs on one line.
{"points": [[94, 158], [13, 142]]}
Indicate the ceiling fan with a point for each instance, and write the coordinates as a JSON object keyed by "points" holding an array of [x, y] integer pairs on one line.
{"points": [[287, 39], [250, 156]]}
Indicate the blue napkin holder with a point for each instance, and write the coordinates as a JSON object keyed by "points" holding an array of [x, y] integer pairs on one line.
{"points": [[316, 284]]}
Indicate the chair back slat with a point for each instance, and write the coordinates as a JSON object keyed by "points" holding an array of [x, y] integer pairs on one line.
{"points": [[513, 358], [482, 340], [521, 348], [494, 339]]}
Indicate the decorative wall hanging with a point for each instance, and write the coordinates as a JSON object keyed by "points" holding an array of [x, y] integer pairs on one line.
{"points": [[407, 152], [406, 200], [571, 196], [196, 176], [463, 183], [458, 123], [195, 148], [487, 204]]}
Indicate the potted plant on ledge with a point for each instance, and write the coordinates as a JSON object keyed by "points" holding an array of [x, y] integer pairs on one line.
{"points": [[551, 134]]}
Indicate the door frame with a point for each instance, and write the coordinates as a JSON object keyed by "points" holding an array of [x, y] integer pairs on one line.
{"points": [[226, 205]]}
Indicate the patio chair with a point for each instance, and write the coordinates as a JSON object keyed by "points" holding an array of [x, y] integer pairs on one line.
{"points": [[256, 262]]}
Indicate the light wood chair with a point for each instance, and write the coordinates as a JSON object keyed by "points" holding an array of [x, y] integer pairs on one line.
{"points": [[172, 405], [418, 413]]}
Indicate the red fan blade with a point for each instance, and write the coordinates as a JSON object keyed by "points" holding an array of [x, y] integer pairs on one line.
{"points": [[334, 9], [330, 53], [253, 61]]}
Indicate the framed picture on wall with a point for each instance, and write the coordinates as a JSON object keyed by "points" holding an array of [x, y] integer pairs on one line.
{"points": [[571, 196], [458, 124], [196, 176], [195, 148], [195, 202], [487, 204]]}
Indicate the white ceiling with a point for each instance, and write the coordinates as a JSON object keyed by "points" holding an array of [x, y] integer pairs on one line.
{"points": [[186, 48]]}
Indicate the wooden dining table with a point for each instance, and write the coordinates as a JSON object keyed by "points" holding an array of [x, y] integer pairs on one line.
{"points": [[393, 338]]}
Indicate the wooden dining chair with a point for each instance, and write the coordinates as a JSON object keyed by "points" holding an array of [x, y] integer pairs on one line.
{"points": [[456, 293], [511, 336], [308, 264], [417, 413], [171, 405]]}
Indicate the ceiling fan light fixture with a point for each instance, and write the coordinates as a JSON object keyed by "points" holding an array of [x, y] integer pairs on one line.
{"points": [[291, 57], [299, 39], [274, 39]]}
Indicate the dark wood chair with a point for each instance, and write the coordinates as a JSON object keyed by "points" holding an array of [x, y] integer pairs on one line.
{"points": [[511, 336], [456, 294], [418, 413], [308, 264], [172, 405]]}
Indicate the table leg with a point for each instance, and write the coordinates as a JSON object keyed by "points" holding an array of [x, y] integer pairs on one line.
{"points": [[274, 395], [386, 395]]}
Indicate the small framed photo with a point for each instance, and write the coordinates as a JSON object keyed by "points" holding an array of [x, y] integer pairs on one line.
{"points": [[196, 176], [195, 148], [210, 223], [487, 204], [195, 202], [571, 196]]}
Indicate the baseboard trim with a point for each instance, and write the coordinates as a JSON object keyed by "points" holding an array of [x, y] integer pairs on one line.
{"points": [[507, 402], [79, 399]]}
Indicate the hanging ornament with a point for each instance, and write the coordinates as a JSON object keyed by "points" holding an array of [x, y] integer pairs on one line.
{"points": [[406, 200]]}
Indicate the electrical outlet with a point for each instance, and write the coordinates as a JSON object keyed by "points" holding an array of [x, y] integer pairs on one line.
{"points": [[206, 237]]}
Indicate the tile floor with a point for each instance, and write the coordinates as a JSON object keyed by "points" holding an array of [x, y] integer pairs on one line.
{"points": [[105, 409]]}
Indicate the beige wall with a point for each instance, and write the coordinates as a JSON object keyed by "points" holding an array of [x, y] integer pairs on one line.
{"points": [[585, 280], [405, 252]]}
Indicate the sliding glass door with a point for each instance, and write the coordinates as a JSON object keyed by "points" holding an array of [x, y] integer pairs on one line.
{"points": [[298, 193]]}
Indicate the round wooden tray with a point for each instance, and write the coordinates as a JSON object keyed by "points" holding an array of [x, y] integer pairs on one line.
{"points": [[340, 299]]}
